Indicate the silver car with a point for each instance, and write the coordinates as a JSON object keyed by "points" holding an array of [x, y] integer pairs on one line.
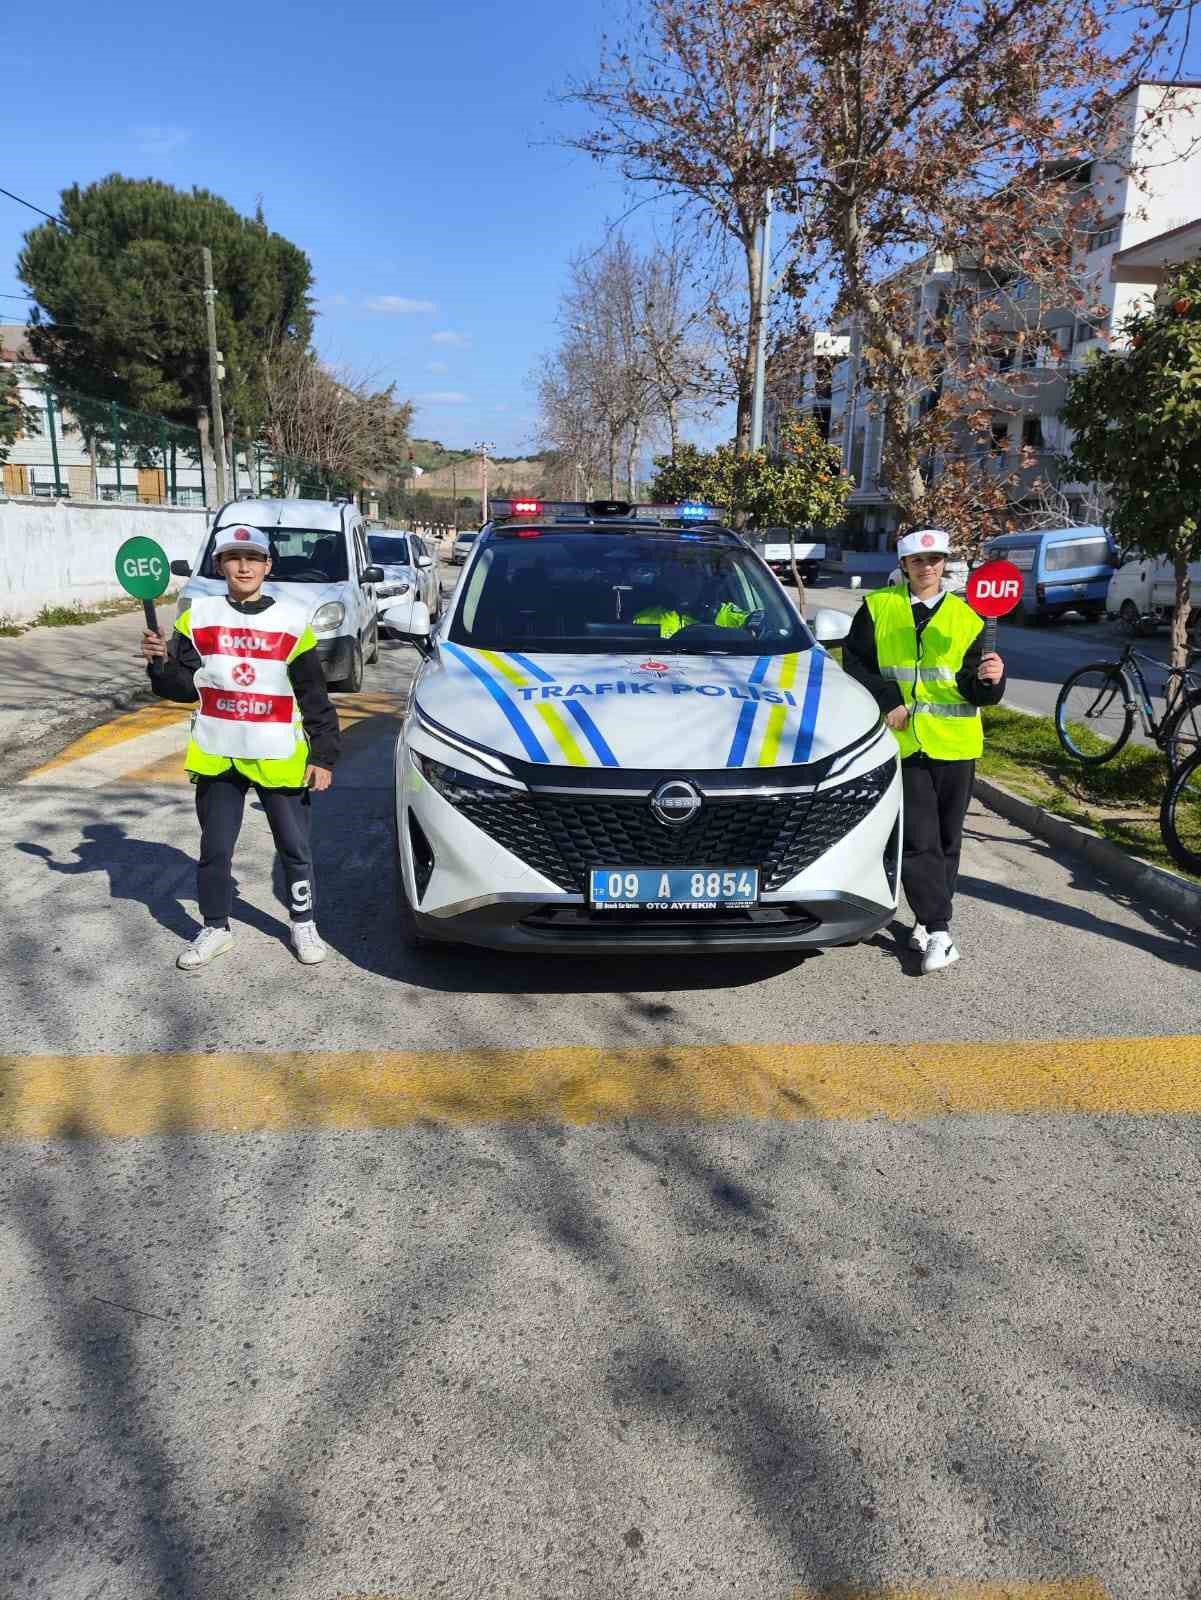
{"points": [[410, 570], [463, 546]]}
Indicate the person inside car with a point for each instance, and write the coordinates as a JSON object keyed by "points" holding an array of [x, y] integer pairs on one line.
{"points": [[688, 604]]}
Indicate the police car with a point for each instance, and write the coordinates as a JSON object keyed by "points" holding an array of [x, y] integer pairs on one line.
{"points": [[623, 737]]}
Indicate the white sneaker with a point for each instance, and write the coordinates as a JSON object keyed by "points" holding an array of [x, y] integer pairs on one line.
{"points": [[940, 952], [307, 943], [919, 938], [208, 943]]}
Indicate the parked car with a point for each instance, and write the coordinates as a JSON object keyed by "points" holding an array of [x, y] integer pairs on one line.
{"points": [[1064, 569], [1142, 592], [410, 569], [463, 546], [320, 558]]}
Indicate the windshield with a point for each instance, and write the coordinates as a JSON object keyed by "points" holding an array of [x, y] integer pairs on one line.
{"points": [[601, 592], [390, 549], [465, 538], [298, 555]]}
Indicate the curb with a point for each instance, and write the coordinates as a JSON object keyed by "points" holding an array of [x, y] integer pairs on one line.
{"points": [[1165, 892]]}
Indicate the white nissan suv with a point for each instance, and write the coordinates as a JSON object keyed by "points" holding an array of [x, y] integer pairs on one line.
{"points": [[623, 737]]}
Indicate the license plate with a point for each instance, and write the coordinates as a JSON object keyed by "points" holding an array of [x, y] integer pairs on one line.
{"points": [[674, 888]]}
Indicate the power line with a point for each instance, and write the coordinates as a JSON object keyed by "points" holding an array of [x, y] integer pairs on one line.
{"points": [[50, 217]]}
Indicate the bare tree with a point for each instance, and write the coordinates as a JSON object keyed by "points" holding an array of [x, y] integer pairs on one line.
{"points": [[336, 421], [682, 108], [939, 164]]}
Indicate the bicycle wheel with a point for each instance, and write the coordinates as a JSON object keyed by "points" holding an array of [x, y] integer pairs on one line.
{"points": [[1182, 733], [1180, 815], [1092, 717]]}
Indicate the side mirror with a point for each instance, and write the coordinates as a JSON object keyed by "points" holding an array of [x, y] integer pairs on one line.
{"points": [[830, 626], [372, 575], [410, 621], [425, 561], [181, 569]]}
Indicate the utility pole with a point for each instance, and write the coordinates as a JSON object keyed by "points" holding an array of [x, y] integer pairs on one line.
{"points": [[764, 275], [483, 450], [216, 372]]}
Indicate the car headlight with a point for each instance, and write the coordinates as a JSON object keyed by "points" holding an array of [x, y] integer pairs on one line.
{"points": [[459, 787], [389, 591], [328, 617]]}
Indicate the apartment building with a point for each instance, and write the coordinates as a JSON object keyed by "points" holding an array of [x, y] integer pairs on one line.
{"points": [[1147, 190]]}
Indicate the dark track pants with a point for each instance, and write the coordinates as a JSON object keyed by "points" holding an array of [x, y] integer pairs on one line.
{"points": [[936, 800], [220, 803]]}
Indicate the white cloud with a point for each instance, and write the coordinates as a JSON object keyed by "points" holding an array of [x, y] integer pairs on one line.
{"points": [[444, 397], [437, 367], [399, 305], [462, 340], [160, 138]]}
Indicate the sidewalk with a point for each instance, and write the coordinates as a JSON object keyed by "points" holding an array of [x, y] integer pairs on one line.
{"points": [[53, 679]]}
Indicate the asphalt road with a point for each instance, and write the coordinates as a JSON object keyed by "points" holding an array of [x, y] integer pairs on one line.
{"points": [[449, 1275]]}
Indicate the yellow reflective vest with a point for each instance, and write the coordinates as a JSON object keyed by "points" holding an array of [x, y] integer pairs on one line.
{"points": [[941, 722]]}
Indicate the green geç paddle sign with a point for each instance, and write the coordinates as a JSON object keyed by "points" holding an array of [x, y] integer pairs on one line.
{"points": [[142, 569], [144, 572]]}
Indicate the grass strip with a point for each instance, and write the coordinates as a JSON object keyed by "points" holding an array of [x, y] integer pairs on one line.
{"points": [[1119, 800]]}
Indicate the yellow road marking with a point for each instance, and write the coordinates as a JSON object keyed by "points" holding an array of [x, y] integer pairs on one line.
{"points": [[130, 1096], [147, 719], [1068, 1589]]}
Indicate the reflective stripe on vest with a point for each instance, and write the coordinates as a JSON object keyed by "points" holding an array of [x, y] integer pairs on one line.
{"points": [[919, 674], [942, 723], [247, 709]]}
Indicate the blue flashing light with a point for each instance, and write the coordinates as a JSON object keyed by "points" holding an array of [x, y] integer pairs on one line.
{"points": [[692, 511]]}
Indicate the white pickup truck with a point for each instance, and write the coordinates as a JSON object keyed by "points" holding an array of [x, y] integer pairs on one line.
{"points": [[773, 545]]}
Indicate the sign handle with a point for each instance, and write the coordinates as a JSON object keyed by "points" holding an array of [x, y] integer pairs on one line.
{"points": [[156, 666], [990, 635]]}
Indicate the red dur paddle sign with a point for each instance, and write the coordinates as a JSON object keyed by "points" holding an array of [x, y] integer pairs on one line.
{"points": [[993, 591]]}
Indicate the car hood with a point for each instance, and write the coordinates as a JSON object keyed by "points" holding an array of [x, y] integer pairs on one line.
{"points": [[647, 710], [397, 572], [308, 595]]}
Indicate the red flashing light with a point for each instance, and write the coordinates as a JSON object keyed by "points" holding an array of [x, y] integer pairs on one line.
{"points": [[526, 508], [529, 533]]}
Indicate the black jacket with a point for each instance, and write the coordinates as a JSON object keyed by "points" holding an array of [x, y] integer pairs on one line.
{"points": [[173, 681], [861, 659]]}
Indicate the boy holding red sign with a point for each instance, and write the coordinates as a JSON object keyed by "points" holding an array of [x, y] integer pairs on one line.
{"points": [[920, 652], [264, 720]]}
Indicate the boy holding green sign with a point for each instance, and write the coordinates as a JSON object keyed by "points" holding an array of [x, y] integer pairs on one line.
{"points": [[264, 720]]}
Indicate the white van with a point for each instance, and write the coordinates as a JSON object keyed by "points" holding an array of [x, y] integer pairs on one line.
{"points": [[1142, 592], [320, 559]]}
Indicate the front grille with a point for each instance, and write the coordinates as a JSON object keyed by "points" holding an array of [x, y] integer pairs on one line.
{"points": [[750, 920], [565, 836]]}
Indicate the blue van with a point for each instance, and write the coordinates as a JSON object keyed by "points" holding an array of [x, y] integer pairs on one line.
{"points": [[1063, 569]]}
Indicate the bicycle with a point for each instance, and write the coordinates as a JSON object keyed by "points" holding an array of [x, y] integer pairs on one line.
{"points": [[1180, 815], [1094, 714]]}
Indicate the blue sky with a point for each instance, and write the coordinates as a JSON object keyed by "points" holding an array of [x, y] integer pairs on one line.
{"points": [[407, 148]]}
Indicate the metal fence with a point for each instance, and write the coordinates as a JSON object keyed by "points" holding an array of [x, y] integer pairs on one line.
{"points": [[82, 448]]}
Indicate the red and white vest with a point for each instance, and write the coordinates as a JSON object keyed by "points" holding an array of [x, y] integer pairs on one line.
{"points": [[247, 710]]}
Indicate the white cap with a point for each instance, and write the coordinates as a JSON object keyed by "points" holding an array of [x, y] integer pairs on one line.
{"points": [[251, 541], [924, 542]]}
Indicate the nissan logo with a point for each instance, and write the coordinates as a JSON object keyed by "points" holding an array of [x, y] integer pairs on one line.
{"points": [[675, 802]]}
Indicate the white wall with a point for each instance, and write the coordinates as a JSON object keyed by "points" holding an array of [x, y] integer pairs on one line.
{"points": [[53, 553]]}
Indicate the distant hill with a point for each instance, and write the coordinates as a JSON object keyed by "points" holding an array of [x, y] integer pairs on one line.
{"points": [[447, 471]]}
